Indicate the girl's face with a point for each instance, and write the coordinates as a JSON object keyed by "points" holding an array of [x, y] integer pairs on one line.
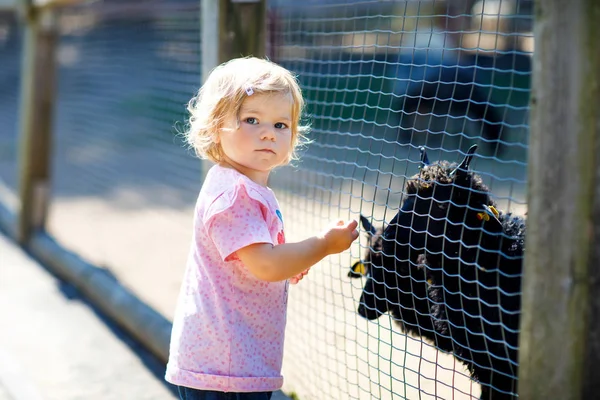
{"points": [[263, 140]]}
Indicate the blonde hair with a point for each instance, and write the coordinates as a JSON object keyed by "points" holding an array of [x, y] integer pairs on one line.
{"points": [[222, 96]]}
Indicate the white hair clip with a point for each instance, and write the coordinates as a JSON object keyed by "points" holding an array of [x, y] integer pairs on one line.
{"points": [[249, 90]]}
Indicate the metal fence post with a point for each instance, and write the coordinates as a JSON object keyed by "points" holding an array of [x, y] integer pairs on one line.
{"points": [[560, 327], [37, 110], [231, 29]]}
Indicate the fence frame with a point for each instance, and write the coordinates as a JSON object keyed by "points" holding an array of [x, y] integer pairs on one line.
{"points": [[560, 325], [560, 330]]}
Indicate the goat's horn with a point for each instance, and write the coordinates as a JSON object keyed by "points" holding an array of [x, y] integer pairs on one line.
{"points": [[424, 158], [464, 165]]}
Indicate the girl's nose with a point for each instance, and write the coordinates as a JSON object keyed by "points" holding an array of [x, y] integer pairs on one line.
{"points": [[268, 133]]}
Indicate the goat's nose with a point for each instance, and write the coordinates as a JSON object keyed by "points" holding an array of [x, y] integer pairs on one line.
{"points": [[368, 313]]}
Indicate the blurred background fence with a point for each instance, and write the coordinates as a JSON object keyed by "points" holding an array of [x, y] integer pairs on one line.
{"points": [[375, 75]]}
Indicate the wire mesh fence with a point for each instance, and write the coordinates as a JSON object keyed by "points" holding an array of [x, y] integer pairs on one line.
{"points": [[381, 80]]}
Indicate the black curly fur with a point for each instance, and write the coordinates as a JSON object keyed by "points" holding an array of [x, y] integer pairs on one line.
{"points": [[452, 278]]}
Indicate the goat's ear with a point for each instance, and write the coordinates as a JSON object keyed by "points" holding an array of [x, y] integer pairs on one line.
{"points": [[367, 225], [358, 269], [424, 158], [464, 165]]}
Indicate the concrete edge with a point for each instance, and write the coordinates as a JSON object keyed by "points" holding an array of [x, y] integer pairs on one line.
{"points": [[143, 323]]}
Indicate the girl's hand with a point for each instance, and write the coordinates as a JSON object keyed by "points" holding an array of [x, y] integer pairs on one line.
{"points": [[295, 279], [340, 236]]}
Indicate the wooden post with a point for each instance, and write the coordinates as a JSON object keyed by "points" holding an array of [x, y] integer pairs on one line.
{"points": [[36, 119], [560, 328], [231, 29]]}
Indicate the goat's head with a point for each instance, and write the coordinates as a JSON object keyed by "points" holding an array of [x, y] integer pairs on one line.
{"points": [[442, 202], [446, 209], [375, 301]]}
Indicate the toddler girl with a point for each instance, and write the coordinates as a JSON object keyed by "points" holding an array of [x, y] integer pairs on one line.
{"points": [[228, 329]]}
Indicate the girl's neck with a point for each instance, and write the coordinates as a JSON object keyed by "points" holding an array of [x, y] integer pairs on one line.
{"points": [[258, 177]]}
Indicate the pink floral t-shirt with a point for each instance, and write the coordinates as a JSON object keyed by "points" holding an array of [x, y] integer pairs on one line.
{"points": [[228, 328]]}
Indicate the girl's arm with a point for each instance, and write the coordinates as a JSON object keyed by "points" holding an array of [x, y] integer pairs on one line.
{"points": [[281, 262]]}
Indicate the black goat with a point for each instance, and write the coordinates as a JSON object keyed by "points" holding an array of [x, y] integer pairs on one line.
{"points": [[450, 90], [450, 271]]}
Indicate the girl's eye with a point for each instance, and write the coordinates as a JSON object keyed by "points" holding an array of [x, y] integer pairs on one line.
{"points": [[252, 120], [280, 125]]}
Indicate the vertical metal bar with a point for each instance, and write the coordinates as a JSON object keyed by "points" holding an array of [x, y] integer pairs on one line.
{"points": [[209, 36]]}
